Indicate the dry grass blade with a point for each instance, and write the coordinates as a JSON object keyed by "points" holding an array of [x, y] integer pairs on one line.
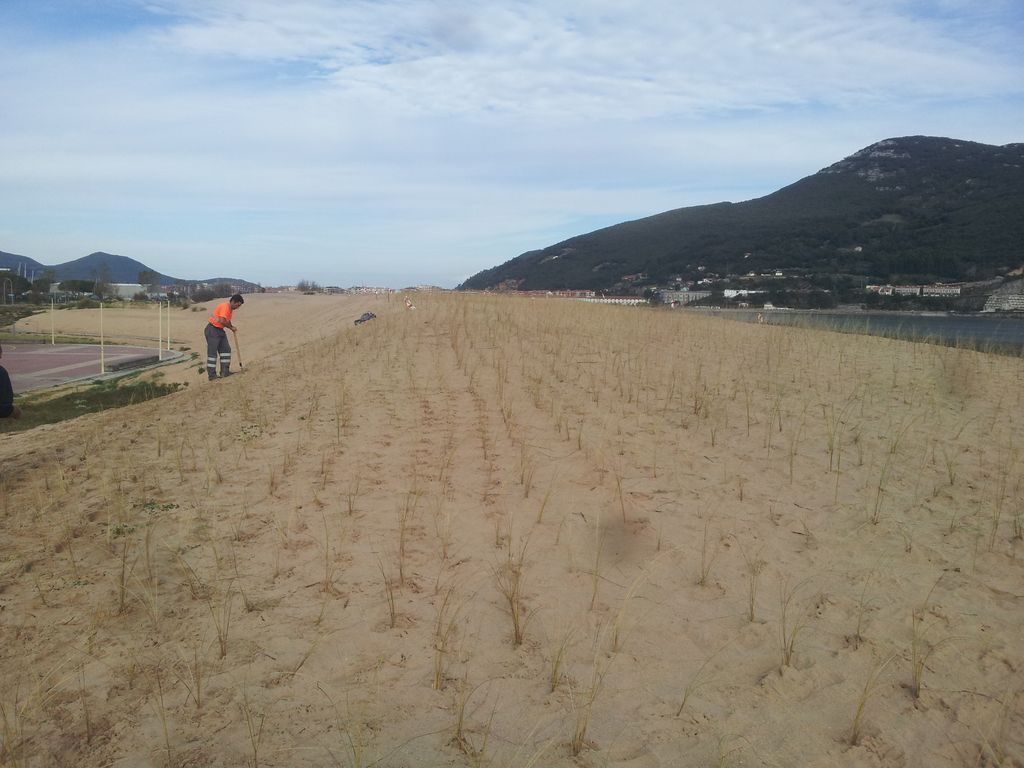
{"points": [[583, 699], [509, 577], [789, 626], [869, 688]]}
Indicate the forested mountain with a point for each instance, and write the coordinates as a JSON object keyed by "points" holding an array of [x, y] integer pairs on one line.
{"points": [[916, 208], [107, 267]]}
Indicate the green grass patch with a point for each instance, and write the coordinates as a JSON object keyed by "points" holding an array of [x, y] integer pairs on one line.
{"points": [[45, 408], [11, 313]]}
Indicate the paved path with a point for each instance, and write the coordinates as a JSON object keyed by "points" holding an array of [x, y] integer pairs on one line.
{"points": [[37, 366]]}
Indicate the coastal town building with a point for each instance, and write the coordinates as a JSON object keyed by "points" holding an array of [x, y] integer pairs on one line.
{"points": [[681, 297], [932, 289], [1004, 302]]}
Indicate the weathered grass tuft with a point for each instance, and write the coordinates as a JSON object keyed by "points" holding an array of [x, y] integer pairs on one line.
{"points": [[789, 626], [869, 688], [509, 577]]}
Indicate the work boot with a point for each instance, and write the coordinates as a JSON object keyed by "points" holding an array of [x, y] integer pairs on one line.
{"points": [[225, 374]]}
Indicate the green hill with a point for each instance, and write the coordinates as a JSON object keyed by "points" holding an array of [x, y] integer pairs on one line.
{"points": [[108, 266], [916, 208]]}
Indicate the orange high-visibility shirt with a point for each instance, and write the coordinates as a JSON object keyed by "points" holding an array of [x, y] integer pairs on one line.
{"points": [[221, 315]]}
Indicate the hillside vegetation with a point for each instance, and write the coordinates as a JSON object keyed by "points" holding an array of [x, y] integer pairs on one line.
{"points": [[107, 267], [907, 209]]}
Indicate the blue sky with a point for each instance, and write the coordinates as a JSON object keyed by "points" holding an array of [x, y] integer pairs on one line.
{"points": [[397, 142]]}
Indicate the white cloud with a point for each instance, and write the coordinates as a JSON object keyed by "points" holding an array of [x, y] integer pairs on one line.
{"points": [[460, 134], [598, 60]]}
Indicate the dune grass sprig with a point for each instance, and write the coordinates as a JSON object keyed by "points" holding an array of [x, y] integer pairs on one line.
{"points": [[869, 688], [352, 494], [595, 571], [863, 604], [583, 699], [330, 560], [254, 722], [445, 622], [707, 555], [509, 577], [351, 724], [558, 653], [699, 679], [442, 514], [148, 595], [755, 565], [220, 610], [875, 512], [160, 706], [921, 649], [197, 588], [620, 495], [544, 503], [12, 730], [124, 575], [789, 626], [994, 747], [389, 594], [1000, 497], [190, 673], [477, 752], [84, 699]]}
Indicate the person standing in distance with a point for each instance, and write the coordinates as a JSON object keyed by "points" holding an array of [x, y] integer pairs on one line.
{"points": [[217, 347], [8, 410]]}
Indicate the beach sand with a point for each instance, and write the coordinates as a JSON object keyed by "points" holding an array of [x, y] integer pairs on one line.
{"points": [[514, 532]]}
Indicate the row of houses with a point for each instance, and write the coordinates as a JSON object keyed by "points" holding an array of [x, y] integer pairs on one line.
{"points": [[133, 290], [627, 300], [1004, 302], [675, 298], [934, 289], [592, 297]]}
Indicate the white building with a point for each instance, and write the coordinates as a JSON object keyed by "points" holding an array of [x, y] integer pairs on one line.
{"points": [[126, 290], [681, 297]]}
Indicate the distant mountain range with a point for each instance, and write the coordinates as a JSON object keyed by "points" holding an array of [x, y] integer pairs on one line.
{"points": [[116, 269], [912, 209]]}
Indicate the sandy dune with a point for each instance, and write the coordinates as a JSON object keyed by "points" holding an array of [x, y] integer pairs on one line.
{"points": [[516, 532], [268, 324]]}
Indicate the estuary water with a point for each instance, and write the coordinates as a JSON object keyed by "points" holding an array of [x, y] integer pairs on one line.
{"points": [[978, 331]]}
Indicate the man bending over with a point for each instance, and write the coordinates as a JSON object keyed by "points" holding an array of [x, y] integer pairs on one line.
{"points": [[217, 347]]}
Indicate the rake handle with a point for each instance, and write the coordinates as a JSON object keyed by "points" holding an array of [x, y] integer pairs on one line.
{"points": [[237, 348]]}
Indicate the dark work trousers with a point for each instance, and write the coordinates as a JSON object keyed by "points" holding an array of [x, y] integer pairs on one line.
{"points": [[6, 394], [217, 347]]}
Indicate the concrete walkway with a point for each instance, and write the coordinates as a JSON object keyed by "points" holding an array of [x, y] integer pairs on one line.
{"points": [[38, 366]]}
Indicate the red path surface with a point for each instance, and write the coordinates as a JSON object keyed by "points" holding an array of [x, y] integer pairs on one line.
{"points": [[36, 366]]}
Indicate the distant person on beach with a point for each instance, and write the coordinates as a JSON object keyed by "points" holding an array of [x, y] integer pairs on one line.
{"points": [[217, 347], [8, 410]]}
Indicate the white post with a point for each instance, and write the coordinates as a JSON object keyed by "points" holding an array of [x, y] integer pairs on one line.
{"points": [[53, 339], [103, 367], [168, 325], [160, 331]]}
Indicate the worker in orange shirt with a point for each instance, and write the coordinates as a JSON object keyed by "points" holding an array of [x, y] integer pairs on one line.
{"points": [[217, 346]]}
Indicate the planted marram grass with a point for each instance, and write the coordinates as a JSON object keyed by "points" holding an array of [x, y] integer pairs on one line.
{"points": [[179, 578]]}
